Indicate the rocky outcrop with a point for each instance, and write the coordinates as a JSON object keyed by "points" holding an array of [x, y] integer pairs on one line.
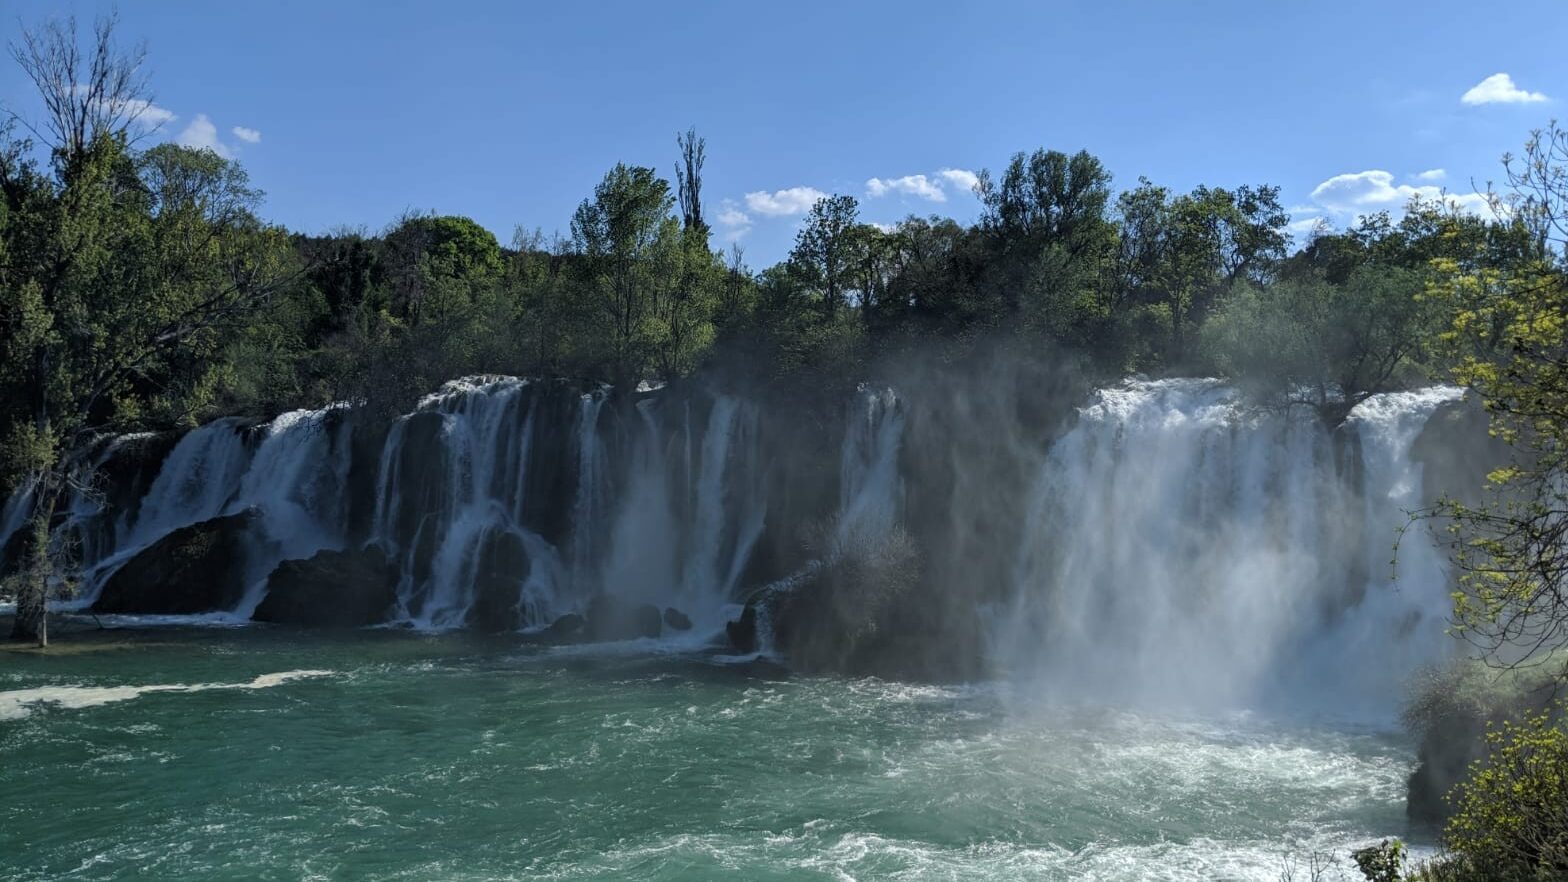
{"points": [[676, 620], [864, 613], [568, 628], [199, 568], [502, 568], [612, 619], [343, 589], [1451, 714]]}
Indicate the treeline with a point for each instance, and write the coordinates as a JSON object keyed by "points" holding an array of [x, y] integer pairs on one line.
{"points": [[1144, 281], [142, 288]]}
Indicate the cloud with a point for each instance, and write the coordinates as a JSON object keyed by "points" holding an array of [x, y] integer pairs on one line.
{"points": [[1301, 230], [960, 177], [201, 134], [914, 185], [249, 136], [1499, 88], [1432, 174], [1375, 190], [139, 110], [934, 188], [149, 114], [737, 223], [784, 203]]}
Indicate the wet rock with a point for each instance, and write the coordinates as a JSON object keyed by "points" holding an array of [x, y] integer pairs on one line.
{"points": [[502, 568], [676, 620], [565, 629], [610, 619], [199, 568], [742, 632], [345, 589]]}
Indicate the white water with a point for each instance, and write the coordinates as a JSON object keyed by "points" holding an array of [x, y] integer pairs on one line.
{"points": [[1179, 547], [1183, 549], [295, 479], [871, 489]]}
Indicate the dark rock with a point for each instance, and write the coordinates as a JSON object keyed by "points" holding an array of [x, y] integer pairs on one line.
{"points": [[867, 613], [345, 589], [610, 619], [676, 619], [565, 629], [1453, 723], [743, 631], [502, 568], [199, 568]]}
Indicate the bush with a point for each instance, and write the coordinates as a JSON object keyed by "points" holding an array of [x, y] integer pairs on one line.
{"points": [[1512, 817]]}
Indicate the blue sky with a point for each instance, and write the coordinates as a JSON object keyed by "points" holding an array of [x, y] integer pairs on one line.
{"points": [[352, 112]]}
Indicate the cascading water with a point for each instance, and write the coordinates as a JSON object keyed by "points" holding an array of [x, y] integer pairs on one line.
{"points": [[442, 519], [1179, 545], [1185, 548], [295, 480], [870, 486], [629, 535]]}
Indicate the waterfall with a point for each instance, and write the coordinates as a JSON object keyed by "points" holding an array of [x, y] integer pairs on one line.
{"points": [[1174, 544], [18, 506], [198, 479], [1182, 546], [295, 479], [449, 502], [870, 485]]}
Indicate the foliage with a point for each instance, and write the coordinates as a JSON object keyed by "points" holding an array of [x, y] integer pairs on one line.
{"points": [[1509, 340], [1384, 862], [1512, 817]]}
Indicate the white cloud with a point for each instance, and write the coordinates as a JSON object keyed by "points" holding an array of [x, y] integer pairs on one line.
{"points": [[201, 134], [737, 223], [249, 136], [1301, 230], [149, 114], [1375, 190], [933, 188], [139, 110], [914, 185], [962, 178], [1432, 174], [1499, 88], [783, 203]]}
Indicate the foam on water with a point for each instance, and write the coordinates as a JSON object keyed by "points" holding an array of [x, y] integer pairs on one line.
{"points": [[18, 703]]}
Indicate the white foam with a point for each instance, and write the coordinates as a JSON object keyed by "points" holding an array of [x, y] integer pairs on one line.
{"points": [[18, 703]]}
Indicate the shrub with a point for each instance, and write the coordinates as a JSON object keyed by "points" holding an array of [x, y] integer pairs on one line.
{"points": [[1512, 812]]}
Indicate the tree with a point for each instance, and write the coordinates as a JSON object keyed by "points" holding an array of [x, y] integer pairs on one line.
{"points": [[1509, 338], [1048, 242], [827, 251], [85, 98], [1305, 340], [1186, 254], [121, 279], [626, 235], [688, 178], [436, 267]]}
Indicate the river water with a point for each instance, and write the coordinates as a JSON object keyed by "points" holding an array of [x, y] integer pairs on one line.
{"points": [[249, 753]]}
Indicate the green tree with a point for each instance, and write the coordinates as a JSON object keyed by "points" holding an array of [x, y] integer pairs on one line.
{"points": [[1049, 242], [1508, 338], [827, 251], [121, 280], [630, 246], [438, 267]]}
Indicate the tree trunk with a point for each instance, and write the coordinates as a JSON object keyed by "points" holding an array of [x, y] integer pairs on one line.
{"points": [[32, 595]]}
